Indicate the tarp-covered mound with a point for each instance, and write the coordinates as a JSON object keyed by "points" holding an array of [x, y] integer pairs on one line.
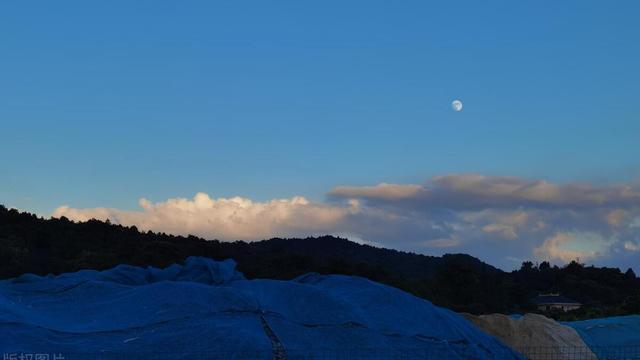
{"points": [[207, 307], [612, 337], [535, 336]]}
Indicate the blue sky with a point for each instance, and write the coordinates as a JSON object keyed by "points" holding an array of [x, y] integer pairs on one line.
{"points": [[104, 103]]}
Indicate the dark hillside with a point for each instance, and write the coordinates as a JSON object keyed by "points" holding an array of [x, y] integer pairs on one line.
{"points": [[29, 244]]}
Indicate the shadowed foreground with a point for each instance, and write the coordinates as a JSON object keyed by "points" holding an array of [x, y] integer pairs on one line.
{"points": [[206, 309]]}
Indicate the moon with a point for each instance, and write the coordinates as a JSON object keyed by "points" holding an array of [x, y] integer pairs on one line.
{"points": [[456, 105]]}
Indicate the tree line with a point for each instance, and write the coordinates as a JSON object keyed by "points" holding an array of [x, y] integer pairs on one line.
{"points": [[30, 244]]}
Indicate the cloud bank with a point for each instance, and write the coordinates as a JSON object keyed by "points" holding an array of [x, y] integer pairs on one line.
{"points": [[227, 219], [496, 218], [474, 191]]}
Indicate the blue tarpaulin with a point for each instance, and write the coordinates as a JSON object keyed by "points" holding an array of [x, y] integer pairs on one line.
{"points": [[611, 337], [207, 307]]}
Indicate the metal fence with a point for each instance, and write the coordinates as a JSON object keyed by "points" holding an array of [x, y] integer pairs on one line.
{"points": [[582, 352], [533, 353]]}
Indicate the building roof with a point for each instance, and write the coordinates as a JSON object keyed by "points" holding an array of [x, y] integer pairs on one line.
{"points": [[553, 299]]}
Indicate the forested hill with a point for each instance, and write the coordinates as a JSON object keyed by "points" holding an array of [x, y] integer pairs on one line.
{"points": [[29, 244]]}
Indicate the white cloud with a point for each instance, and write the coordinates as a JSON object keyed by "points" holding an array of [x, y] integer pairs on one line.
{"points": [[568, 246], [225, 219], [631, 246], [505, 231], [506, 224]]}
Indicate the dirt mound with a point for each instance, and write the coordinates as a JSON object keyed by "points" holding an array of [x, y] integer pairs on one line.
{"points": [[535, 336]]}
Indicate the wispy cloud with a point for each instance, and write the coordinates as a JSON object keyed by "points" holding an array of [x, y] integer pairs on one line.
{"points": [[474, 191]]}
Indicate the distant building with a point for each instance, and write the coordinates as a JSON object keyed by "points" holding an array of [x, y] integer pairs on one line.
{"points": [[546, 302]]}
